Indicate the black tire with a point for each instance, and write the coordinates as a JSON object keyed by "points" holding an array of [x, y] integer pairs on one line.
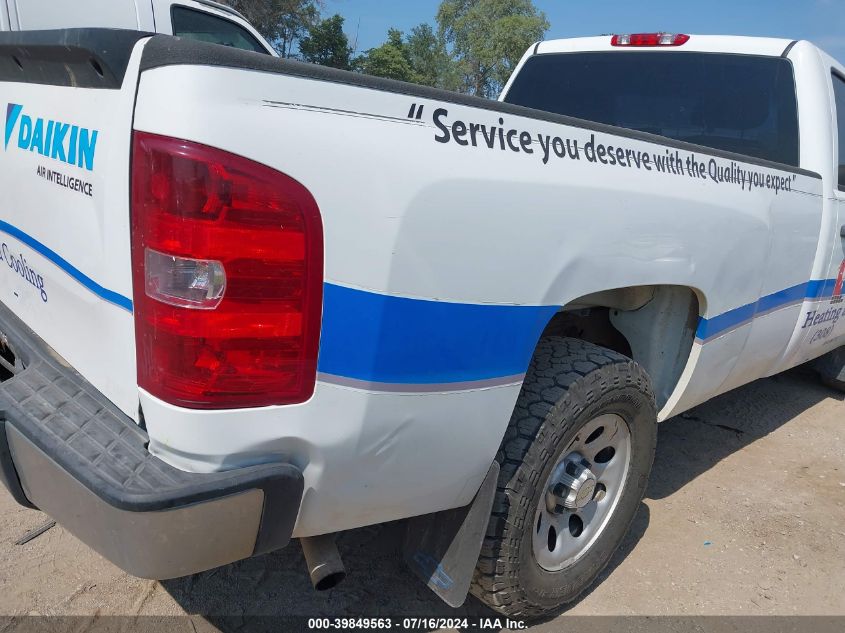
{"points": [[831, 368], [569, 383]]}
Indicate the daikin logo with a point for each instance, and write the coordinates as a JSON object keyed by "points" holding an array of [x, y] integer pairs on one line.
{"points": [[64, 142]]}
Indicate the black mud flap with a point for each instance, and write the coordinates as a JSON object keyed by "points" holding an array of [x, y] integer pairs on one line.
{"points": [[442, 548]]}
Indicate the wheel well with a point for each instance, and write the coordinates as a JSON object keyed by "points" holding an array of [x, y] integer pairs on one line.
{"points": [[589, 324], [654, 325]]}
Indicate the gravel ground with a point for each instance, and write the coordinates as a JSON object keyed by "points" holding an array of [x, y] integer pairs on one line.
{"points": [[745, 515]]}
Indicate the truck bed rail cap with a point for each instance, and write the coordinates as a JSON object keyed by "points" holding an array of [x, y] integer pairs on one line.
{"points": [[163, 50], [81, 58]]}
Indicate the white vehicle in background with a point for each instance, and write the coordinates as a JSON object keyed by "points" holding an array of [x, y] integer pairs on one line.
{"points": [[244, 299], [202, 20]]}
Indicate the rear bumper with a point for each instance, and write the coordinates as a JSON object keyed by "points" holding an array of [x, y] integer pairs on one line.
{"points": [[66, 450]]}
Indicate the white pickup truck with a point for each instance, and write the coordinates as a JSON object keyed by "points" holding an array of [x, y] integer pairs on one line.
{"points": [[244, 299]]}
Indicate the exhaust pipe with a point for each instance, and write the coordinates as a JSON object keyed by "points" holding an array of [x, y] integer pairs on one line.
{"points": [[323, 560]]}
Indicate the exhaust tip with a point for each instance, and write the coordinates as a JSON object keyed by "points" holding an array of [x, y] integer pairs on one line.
{"points": [[329, 582], [323, 561]]}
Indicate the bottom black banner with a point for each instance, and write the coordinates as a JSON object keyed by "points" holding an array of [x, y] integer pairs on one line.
{"points": [[576, 624]]}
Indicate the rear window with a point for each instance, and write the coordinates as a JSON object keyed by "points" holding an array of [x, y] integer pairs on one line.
{"points": [[736, 103], [210, 28]]}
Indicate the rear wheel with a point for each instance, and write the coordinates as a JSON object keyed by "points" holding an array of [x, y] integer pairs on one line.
{"points": [[574, 466]]}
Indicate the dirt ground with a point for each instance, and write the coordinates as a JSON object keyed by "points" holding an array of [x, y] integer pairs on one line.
{"points": [[745, 515]]}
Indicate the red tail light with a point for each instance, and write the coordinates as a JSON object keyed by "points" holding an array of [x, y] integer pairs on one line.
{"points": [[227, 259], [649, 39]]}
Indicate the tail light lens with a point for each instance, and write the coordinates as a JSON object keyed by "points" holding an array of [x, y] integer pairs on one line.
{"points": [[649, 39], [227, 259]]}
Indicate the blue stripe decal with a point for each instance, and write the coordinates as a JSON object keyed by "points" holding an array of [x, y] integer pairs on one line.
{"points": [[733, 319], [48, 253], [378, 338], [383, 339], [820, 288], [783, 298]]}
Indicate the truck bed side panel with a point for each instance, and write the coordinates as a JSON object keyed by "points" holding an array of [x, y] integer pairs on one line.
{"points": [[445, 257]]}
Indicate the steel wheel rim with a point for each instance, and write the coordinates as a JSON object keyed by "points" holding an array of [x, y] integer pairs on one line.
{"points": [[561, 534]]}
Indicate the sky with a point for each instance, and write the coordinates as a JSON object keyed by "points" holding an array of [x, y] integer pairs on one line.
{"points": [[820, 21]]}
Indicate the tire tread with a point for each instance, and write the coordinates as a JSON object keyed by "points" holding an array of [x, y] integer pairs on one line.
{"points": [[564, 373]]}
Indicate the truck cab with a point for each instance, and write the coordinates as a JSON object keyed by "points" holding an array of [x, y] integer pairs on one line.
{"points": [[202, 20], [774, 100]]}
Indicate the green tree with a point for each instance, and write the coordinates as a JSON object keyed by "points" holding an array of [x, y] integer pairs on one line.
{"points": [[488, 38], [391, 60], [429, 59], [327, 44], [282, 22]]}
